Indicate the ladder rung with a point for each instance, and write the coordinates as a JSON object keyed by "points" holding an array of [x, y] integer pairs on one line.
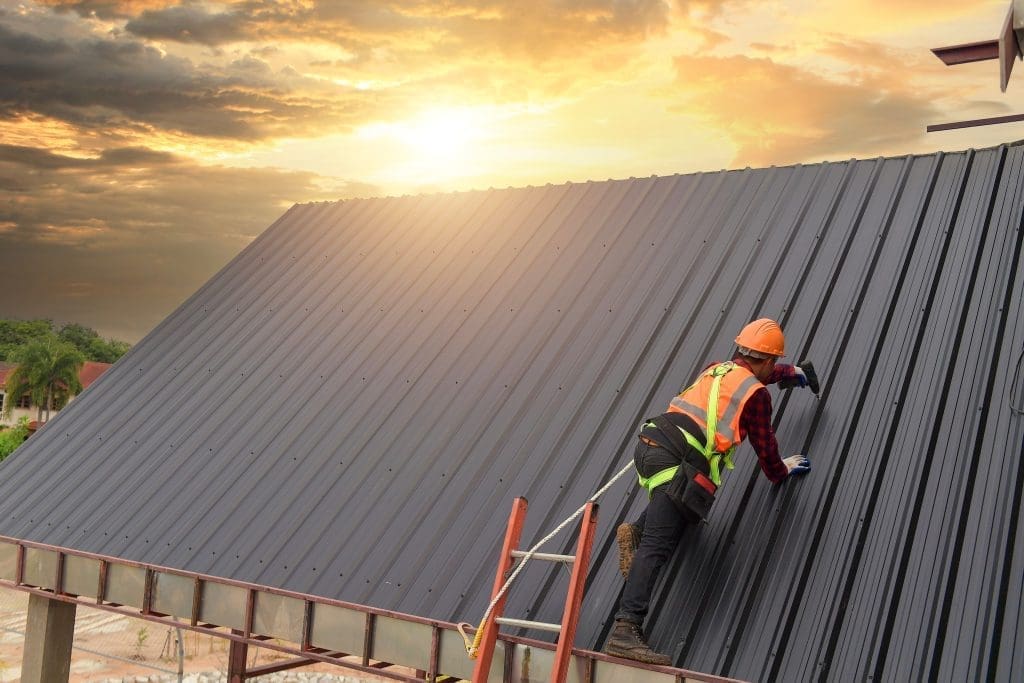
{"points": [[522, 623], [569, 559]]}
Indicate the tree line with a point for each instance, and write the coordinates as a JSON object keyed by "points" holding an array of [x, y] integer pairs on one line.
{"points": [[47, 362], [15, 334]]}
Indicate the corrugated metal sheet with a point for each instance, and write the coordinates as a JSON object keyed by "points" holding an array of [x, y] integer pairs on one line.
{"points": [[348, 408]]}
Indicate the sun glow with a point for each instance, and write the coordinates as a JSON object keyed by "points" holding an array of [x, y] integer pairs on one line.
{"points": [[443, 141]]}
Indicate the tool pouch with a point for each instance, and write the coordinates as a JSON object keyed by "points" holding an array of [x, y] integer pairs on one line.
{"points": [[689, 491]]}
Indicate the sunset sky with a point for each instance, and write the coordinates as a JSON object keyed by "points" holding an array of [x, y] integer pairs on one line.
{"points": [[143, 143]]}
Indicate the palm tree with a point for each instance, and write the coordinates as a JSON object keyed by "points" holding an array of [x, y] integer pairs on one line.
{"points": [[47, 372]]}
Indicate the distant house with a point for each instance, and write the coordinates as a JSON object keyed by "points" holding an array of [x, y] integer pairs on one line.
{"points": [[89, 373]]}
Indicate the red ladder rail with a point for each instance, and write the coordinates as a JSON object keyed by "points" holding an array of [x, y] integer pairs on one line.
{"points": [[573, 600], [512, 534]]}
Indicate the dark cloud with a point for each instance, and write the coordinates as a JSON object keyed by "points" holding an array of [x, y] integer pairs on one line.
{"points": [[118, 241], [122, 83], [810, 117], [44, 160], [538, 29], [192, 24], [135, 156], [36, 159]]}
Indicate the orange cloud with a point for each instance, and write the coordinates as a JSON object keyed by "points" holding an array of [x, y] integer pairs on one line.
{"points": [[873, 19], [847, 14], [894, 64], [778, 114], [106, 9]]}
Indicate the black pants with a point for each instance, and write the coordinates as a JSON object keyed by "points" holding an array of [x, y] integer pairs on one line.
{"points": [[661, 525]]}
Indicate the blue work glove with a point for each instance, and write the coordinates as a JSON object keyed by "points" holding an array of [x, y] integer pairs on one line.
{"points": [[804, 376], [797, 464]]}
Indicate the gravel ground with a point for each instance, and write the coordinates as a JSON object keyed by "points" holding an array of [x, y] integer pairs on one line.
{"points": [[111, 648], [220, 677]]}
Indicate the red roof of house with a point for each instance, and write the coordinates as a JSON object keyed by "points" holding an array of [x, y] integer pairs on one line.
{"points": [[89, 373], [5, 369]]}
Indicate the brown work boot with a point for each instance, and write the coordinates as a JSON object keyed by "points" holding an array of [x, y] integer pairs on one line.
{"points": [[627, 642], [628, 537]]}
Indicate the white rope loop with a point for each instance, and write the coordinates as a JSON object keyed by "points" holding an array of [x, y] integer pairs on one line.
{"points": [[530, 553]]}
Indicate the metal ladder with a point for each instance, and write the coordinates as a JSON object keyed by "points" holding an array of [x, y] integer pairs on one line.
{"points": [[574, 597]]}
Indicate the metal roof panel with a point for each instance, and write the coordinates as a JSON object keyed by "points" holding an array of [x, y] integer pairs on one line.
{"points": [[348, 408]]}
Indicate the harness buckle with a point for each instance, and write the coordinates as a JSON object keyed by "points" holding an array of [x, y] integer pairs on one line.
{"points": [[722, 369]]}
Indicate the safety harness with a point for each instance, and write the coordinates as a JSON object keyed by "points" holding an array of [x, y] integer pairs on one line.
{"points": [[672, 432]]}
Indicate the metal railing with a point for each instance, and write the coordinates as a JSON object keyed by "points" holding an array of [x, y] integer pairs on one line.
{"points": [[314, 629]]}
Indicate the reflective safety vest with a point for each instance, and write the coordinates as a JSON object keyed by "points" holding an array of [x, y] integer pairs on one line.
{"points": [[715, 402]]}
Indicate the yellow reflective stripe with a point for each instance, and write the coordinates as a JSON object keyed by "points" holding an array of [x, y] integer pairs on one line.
{"points": [[716, 459], [711, 420], [734, 402], [716, 386], [658, 478], [697, 445], [665, 475], [693, 411], [723, 424], [712, 457]]}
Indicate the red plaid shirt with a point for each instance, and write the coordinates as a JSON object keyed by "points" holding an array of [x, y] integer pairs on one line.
{"points": [[756, 423]]}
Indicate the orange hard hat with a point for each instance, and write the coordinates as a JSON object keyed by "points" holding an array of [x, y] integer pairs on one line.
{"points": [[763, 336]]}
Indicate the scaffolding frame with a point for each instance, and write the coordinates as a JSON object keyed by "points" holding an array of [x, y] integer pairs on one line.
{"points": [[313, 628]]}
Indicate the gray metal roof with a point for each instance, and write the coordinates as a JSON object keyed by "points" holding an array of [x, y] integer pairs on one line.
{"points": [[348, 408]]}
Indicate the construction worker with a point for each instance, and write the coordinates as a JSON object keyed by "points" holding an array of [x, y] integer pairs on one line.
{"points": [[679, 459]]}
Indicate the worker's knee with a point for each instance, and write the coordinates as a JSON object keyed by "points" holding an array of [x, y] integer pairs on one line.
{"points": [[657, 555]]}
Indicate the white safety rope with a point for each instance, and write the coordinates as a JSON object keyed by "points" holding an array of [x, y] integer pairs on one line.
{"points": [[471, 648]]}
